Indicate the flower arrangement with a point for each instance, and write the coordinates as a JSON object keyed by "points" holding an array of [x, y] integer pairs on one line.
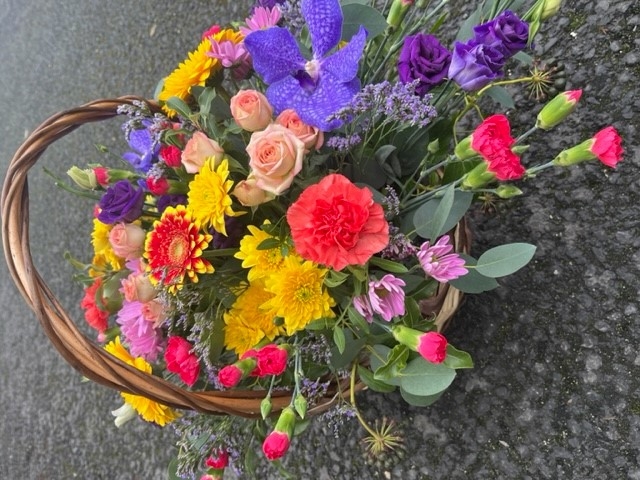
{"points": [[290, 212]]}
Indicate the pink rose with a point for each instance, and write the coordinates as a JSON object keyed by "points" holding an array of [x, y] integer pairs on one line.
{"points": [[198, 149], [312, 137], [249, 194], [138, 288], [154, 311], [251, 110], [127, 240], [276, 156]]}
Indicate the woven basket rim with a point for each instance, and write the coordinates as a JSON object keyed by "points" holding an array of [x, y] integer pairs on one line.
{"points": [[90, 359]]}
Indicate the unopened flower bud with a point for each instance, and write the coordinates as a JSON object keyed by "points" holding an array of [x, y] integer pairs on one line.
{"points": [[300, 404], [83, 178], [398, 11], [558, 109], [606, 146], [550, 8], [463, 150], [249, 194], [507, 191], [478, 177], [277, 443], [265, 407], [432, 346]]}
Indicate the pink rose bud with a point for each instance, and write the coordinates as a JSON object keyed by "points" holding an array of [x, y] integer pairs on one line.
{"points": [[275, 157], [181, 360], [277, 442], [251, 110], [198, 149], [606, 146], [231, 375], [558, 109], [171, 156], [127, 240], [432, 346], [249, 194], [312, 137]]}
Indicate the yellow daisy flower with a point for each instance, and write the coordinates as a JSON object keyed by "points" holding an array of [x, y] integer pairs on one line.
{"points": [[299, 294], [261, 263], [149, 410], [194, 70], [208, 198], [103, 253]]}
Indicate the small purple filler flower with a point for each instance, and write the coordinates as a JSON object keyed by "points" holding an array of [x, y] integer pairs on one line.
{"points": [[385, 297], [122, 202], [474, 65], [438, 263], [314, 88], [423, 58], [506, 33]]}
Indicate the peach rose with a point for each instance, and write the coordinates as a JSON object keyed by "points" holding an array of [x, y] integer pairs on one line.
{"points": [[249, 194], [127, 240], [251, 110], [275, 157], [154, 311], [312, 137], [138, 288], [198, 149]]}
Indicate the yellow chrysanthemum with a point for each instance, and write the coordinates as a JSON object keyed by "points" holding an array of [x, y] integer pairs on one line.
{"points": [[247, 323], [103, 252], [299, 294], [149, 410], [261, 263], [195, 70], [208, 198]]}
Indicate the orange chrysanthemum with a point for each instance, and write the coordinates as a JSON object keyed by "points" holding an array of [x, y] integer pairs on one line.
{"points": [[174, 249]]}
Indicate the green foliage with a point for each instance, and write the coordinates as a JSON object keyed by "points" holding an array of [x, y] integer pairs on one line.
{"points": [[357, 14], [505, 259]]}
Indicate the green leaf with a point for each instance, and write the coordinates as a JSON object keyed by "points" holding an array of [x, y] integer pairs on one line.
{"points": [[205, 99], [505, 259], [412, 311], [353, 346], [358, 320], [268, 244], [457, 358], [524, 58], [320, 324], [395, 363], [180, 106], [466, 29], [334, 278], [355, 15], [338, 339], [424, 217], [501, 95], [419, 400], [473, 281], [173, 470], [424, 378], [388, 265], [368, 379]]}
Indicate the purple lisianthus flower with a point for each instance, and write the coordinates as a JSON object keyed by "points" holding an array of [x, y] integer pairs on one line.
{"points": [[423, 58], [314, 88], [145, 148], [438, 263], [122, 202], [506, 33], [170, 200], [475, 65]]}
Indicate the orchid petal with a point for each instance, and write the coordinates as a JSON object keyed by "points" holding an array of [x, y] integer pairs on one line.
{"points": [[313, 108], [275, 53], [343, 64], [324, 19]]}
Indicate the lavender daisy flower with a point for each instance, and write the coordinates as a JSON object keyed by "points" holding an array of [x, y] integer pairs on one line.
{"points": [[143, 338], [314, 88], [438, 263], [385, 297]]}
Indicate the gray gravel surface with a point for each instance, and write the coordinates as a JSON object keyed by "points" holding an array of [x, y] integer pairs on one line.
{"points": [[555, 392]]}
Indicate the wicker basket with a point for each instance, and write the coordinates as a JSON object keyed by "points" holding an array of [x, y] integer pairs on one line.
{"points": [[81, 352]]}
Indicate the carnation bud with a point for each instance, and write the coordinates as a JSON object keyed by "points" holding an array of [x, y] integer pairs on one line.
{"points": [[277, 443], [432, 346], [265, 407], [300, 404], [606, 146], [478, 177], [549, 8], [507, 191], [398, 11], [83, 178], [463, 150], [558, 109]]}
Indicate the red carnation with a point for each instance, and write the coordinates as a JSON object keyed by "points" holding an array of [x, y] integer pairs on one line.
{"points": [[492, 139], [433, 347], [607, 146], [171, 156], [180, 360], [158, 186], [271, 360], [335, 223], [230, 376], [218, 460], [96, 316]]}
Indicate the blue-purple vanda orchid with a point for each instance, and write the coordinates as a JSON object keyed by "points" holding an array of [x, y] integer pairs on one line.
{"points": [[315, 88]]}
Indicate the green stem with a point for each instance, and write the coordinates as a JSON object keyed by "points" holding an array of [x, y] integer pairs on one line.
{"points": [[526, 134]]}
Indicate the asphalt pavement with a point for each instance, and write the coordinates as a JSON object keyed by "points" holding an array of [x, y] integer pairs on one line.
{"points": [[555, 393]]}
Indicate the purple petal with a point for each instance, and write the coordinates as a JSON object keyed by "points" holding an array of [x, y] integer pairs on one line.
{"points": [[343, 64], [140, 140], [275, 53], [324, 19], [313, 108]]}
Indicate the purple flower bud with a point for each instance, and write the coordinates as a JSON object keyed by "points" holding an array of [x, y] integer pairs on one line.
{"points": [[474, 65], [122, 202], [506, 33], [423, 58]]}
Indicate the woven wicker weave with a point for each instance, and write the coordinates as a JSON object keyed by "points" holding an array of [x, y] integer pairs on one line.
{"points": [[82, 353]]}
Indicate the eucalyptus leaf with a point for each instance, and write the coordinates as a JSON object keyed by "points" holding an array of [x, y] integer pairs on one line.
{"points": [[338, 339], [172, 471], [524, 58], [268, 244], [424, 217], [353, 346], [457, 358], [505, 259], [419, 400], [356, 15], [180, 106], [423, 378], [466, 29], [368, 379], [501, 95], [395, 363], [473, 281]]}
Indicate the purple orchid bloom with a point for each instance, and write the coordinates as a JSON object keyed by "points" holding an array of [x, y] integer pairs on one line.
{"points": [[315, 88]]}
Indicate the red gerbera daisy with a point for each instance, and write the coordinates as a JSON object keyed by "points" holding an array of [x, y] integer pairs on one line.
{"points": [[174, 249]]}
